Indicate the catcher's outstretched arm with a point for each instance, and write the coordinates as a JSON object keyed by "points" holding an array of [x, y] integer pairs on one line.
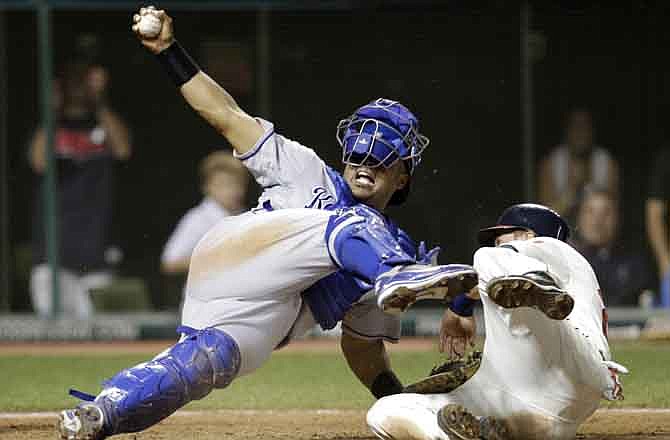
{"points": [[218, 108], [204, 94], [370, 363]]}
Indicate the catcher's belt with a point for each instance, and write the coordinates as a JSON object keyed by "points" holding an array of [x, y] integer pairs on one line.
{"points": [[448, 376]]}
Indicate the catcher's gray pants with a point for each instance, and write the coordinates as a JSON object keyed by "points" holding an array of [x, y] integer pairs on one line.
{"points": [[247, 273]]}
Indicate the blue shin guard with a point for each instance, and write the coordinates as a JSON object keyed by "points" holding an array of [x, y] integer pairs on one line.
{"points": [[145, 394]]}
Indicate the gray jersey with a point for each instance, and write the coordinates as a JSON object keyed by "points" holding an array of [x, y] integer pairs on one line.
{"points": [[294, 176], [291, 175]]}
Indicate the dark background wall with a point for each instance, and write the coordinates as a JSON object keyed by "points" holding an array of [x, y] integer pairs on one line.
{"points": [[457, 68], [614, 61]]}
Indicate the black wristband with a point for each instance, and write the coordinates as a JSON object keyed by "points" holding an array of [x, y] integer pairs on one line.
{"points": [[385, 384], [178, 64]]}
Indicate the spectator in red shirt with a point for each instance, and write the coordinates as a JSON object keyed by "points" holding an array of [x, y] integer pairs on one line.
{"points": [[89, 137]]}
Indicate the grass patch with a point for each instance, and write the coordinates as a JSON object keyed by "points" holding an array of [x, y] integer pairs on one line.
{"points": [[648, 384], [289, 380]]}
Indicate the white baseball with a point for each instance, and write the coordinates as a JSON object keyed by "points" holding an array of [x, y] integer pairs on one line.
{"points": [[149, 26]]}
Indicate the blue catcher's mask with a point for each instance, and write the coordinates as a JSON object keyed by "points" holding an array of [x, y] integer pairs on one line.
{"points": [[381, 133]]}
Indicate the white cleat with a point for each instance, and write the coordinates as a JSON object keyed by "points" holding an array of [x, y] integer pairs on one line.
{"points": [[82, 423]]}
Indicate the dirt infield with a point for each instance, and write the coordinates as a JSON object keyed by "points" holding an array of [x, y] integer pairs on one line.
{"points": [[134, 347], [288, 424], [317, 425]]}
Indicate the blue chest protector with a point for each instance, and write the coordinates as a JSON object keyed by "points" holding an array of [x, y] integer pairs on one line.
{"points": [[330, 298]]}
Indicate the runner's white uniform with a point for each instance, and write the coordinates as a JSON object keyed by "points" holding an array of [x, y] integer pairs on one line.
{"points": [[223, 290], [544, 377]]}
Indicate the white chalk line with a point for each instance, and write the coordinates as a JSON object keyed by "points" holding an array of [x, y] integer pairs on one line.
{"points": [[255, 412]]}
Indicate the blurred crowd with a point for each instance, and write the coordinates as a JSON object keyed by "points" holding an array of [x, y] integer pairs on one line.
{"points": [[582, 181], [579, 178], [89, 139]]}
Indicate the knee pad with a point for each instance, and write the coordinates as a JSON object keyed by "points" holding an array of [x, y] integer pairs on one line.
{"points": [[360, 242], [206, 359], [143, 395]]}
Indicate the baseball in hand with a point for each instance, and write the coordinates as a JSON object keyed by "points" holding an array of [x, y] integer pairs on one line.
{"points": [[149, 25]]}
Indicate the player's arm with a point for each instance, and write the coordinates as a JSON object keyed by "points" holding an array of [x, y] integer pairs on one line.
{"points": [[218, 108], [657, 209], [458, 326], [371, 365], [201, 92]]}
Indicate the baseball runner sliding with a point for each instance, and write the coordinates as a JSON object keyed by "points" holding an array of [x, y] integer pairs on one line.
{"points": [[546, 362]]}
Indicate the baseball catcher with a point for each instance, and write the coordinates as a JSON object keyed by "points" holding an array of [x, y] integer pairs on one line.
{"points": [[317, 246]]}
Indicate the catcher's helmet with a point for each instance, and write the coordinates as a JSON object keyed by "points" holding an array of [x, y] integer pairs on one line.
{"points": [[543, 221], [381, 133]]}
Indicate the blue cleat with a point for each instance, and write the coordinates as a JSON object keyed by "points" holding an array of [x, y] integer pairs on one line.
{"points": [[402, 286], [84, 422]]}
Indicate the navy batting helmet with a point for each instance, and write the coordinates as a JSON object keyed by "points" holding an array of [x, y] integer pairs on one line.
{"points": [[543, 221], [381, 133]]}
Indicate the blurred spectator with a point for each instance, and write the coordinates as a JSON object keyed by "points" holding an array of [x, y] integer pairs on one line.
{"points": [[224, 181], [572, 165], [657, 220], [622, 275], [89, 137]]}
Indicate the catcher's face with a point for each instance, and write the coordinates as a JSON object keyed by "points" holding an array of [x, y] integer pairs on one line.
{"points": [[374, 186], [519, 234]]}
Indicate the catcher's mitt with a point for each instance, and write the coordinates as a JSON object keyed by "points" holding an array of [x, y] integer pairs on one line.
{"points": [[448, 376]]}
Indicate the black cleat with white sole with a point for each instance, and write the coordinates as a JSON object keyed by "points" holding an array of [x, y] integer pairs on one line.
{"points": [[533, 289]]}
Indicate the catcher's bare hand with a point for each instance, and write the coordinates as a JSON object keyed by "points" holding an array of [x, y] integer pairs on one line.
{"points": [[457, 333], [166, 36]]}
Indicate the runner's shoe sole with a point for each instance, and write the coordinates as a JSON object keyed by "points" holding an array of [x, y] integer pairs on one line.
{"points": [[459, 424], [519, 291]]}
